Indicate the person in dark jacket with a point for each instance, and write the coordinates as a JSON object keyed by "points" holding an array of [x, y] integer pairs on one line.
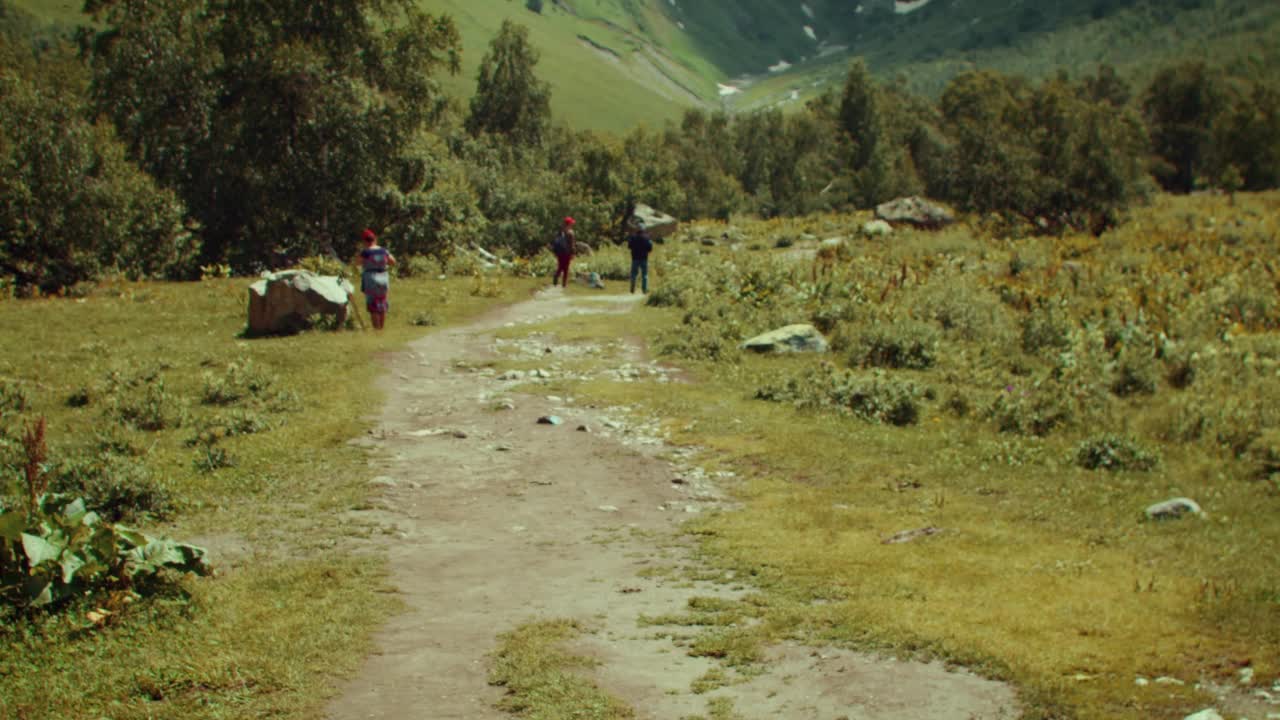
{"points": [[640, 246]]}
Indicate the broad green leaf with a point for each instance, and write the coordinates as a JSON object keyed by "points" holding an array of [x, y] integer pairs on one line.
{"points": [[11, 525], [39, 550], [75, 511], [132, 538]]}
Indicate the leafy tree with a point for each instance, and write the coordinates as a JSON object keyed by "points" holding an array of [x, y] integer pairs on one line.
{"points": [[1247, 143], [992, 163], [72, 206], [1183, 105], [510, 100], [281, 123]]}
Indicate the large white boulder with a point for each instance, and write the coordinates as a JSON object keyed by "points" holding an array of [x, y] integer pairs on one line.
{"points": [[282, 302], [915, 211], [792, 338], [658, 224]]}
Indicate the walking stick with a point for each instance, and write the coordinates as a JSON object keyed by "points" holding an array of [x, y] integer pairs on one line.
{"points": [[355, 311]]}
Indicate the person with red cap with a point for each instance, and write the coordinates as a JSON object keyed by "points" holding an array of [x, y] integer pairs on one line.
{"points": [[375, 281], [562, 246]]}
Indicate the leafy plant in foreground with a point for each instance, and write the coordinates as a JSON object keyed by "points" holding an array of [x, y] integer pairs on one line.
{"points": [[57, 549]]}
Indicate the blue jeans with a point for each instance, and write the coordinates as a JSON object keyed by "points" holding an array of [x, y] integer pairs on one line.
{"points": [[640, 267]]}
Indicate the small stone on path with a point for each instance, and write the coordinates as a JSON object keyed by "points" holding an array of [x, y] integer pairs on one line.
{"points": [[1206, 714], [550, 420], [459, 434], [384, 481], [584, 428], [607, 508]]}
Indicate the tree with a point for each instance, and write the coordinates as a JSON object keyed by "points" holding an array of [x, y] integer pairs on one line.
{"points": [[1183, 105], [280, 124], [72, 206], [510, 100]]}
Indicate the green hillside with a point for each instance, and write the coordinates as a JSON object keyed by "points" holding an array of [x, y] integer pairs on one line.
{"points": [[615, 64]]}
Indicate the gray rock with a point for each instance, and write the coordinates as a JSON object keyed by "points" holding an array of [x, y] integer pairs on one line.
{"points": [[550, 420], [877, 228], [383, 481], [792, 338], [1206, 714], [595, 282], [282, 302], [584, 429], [658, 224], [1173, 509], [915, 211], [608, 508]]}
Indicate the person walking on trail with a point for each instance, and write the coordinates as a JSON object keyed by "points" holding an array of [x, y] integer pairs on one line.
{"points": [[375, 281], [562, 246], [641, 245]]}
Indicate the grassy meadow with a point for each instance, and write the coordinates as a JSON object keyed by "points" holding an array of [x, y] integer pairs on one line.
{"points": [[1027, 399], [246, 452]]}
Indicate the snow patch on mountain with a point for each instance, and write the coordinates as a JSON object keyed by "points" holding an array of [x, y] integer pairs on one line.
{"points": [[808, 30], [902, 7], [781, 66], [807, 10]]}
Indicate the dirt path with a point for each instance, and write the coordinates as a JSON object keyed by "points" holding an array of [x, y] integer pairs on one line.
{"points": [[500, 520]]}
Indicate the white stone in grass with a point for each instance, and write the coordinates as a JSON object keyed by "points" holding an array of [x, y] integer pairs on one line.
{"points": [[383, 481], [792, 338], [877, 228], [1174, 509], [1206, 714]]}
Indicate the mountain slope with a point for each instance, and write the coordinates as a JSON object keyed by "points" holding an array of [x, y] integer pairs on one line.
{"points": [[615, 64]]}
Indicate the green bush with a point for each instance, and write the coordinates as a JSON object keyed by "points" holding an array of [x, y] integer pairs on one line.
{"points": [[874, 398], [1115, 453], [60, 550], [419, 266], [13, 397], [242, 380], [1137, 372], [151, 407], [1046, 328], [963, 309], [1035, 410], [903, 344], [115, 487], [325, 265]]}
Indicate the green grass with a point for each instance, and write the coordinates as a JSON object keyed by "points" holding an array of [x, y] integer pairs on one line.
{"points": [[543, 681], [1045, 574], [293, 602]]}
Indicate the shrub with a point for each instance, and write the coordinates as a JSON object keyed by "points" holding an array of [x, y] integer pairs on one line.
{"points": [[1115, 453], [150, 407], [1036, 411], [874, 398], [904, 344], [242, 380], [80, 397], [963, 308], [1046, 328], [59, 550], [419, 266], [115, 487], [1136, 372], [699, 339], [13, 397], [324, 265]]}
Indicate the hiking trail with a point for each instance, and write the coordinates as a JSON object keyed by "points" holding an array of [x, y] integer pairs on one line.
{"points": [[499, 521]]}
